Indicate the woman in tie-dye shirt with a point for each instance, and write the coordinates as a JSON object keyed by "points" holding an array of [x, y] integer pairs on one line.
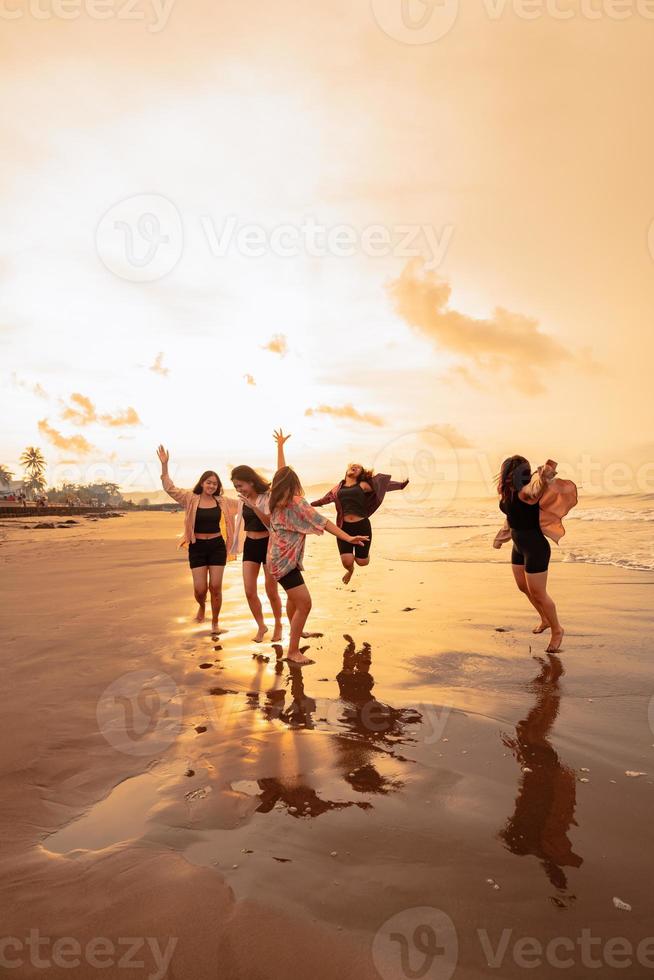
{"points": [[290, 519]]}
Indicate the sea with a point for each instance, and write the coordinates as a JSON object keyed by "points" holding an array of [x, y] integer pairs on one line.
{"points": [[600, 530]]}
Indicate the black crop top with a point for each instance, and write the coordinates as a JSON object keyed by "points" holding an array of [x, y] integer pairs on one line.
{"points": [[521, 516], [353, 501], [207, 520], [251, 521]]}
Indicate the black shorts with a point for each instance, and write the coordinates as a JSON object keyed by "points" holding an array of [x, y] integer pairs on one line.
{"points": [[256, 549], [207, 551], [531, 549], [356, 527], [291, 580]]}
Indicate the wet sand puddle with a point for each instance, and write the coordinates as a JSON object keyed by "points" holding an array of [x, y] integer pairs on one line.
{"points": [[300, 788]]}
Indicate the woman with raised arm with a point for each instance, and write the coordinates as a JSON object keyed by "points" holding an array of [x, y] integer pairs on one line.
{"points": [[534, 505], [358, 495], [209, 534], [290, 519], [254, 491]]}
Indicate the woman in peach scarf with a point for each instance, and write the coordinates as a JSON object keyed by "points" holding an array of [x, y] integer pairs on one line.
{"points": [[534, 506]]}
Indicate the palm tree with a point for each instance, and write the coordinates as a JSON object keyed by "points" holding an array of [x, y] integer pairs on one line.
{"points": [[33, 463], [6, 476]]}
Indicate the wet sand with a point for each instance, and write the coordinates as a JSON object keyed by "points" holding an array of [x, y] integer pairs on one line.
{"points": [[158, 783]]}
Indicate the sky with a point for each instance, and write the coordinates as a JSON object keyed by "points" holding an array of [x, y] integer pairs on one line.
{"points": [[416, 235]]}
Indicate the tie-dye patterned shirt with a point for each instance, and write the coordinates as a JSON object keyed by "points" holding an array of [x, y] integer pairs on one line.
{"points": [[289, 527]]}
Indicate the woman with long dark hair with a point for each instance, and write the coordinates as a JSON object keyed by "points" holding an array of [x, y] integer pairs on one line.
{"points": [[358, 495], [254, 491], [209, 534], [290, 519], [534, 505]]}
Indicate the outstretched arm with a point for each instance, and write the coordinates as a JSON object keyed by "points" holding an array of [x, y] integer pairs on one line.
{"points": [[344, 536], [280, 439], [168, 485], [327, 499]]}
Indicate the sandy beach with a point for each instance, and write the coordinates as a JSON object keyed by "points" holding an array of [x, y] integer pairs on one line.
{"points": [[254, 821]]}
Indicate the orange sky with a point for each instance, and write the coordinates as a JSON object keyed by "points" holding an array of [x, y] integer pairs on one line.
{"points": [[387, 247]]}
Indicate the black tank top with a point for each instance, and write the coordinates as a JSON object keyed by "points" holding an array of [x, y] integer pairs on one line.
{"points": [[353, 501], [207, 520], [251, 521], [521, 516]]}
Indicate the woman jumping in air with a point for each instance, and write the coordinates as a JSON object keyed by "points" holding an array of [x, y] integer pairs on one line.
{"points": [[254, 490], [290, 519], [208, 532], [534, 506], [357, 497]]}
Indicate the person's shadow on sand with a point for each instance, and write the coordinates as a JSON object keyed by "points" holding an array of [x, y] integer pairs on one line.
{"points": [[545, 804]]}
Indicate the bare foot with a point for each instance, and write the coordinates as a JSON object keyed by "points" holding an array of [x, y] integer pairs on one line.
{"points": [[555, 642], [299, 658], [260, 634], [542, 626], [200, 614], [216, 630], [311, 636], [277, 635], [348, 575]]}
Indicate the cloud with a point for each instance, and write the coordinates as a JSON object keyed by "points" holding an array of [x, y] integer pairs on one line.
{"points": [[346, 412], [158, 367], [77, 444], [451, 435], [277, 345], [250, 380], [32, 386], [83, 412], [504, 342]]}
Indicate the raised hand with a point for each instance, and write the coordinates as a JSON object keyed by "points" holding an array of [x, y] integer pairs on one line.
{"points": [[163, 455], [279, 437]]}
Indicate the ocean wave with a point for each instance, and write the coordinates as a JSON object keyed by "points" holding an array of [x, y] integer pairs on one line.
{"points": [[633, 564]]}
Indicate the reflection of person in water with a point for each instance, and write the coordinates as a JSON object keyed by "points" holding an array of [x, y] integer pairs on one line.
{"points": [[298, 714], [545, 805]]}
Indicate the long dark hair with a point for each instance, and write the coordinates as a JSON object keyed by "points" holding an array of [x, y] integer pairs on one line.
{"points": [[248, 475], [205, 476], [285, 485], [515, 474]]}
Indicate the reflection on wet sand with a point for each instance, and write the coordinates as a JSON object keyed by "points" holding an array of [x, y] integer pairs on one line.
{"points": [[545, 804], [368, 727]]}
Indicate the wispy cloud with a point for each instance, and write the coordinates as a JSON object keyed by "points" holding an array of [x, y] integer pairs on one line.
{"points": [[451, 434], [158, 366], [82, 411], [76, 444], [32, 386], [346, 412], [277, 345], [505, 342]]}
